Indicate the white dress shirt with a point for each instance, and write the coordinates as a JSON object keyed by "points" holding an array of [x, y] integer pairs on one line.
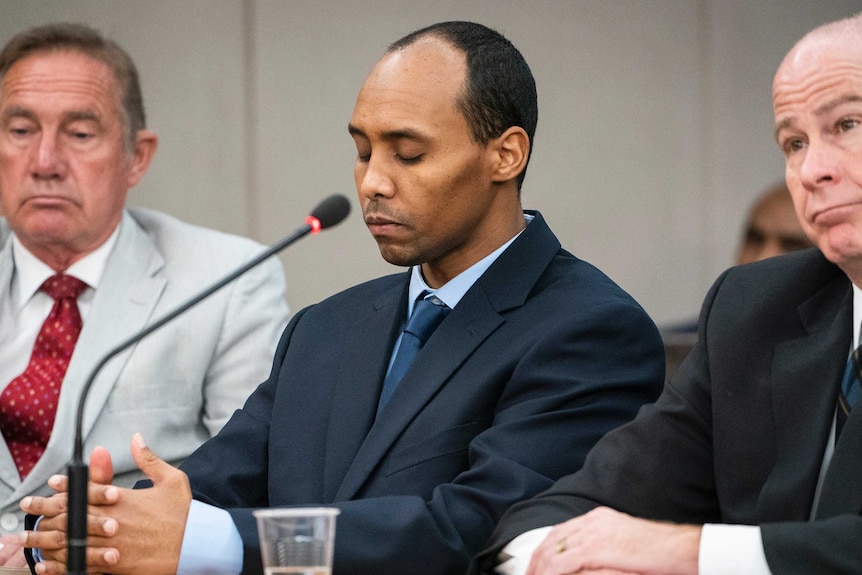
{"points": [[23, 307]]}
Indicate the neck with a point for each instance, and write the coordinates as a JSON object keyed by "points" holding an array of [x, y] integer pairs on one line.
{"points": [[496, 233]]}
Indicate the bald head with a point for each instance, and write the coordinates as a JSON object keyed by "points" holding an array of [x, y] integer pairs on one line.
{"points": [[848, 31], [817, 100]]}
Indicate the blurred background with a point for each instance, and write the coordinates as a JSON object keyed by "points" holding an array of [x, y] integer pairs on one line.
{"points": [[655, 120]]}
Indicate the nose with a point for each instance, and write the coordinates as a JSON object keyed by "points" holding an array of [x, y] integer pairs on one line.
{"points": [[48, 161], [820, 165], [372, 179]]}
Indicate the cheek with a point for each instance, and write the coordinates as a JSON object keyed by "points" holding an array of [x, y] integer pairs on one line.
{"points": [[11, 163]]}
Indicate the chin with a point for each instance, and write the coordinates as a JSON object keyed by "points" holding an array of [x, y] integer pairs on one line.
{"points": [[842, 250], [397, 259], [397, 255]]}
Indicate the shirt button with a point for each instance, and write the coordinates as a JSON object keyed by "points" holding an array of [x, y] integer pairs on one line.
{"points": [[9, 522]]}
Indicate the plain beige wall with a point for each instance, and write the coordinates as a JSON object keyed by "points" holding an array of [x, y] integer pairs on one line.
{"points": [[655, 125]]}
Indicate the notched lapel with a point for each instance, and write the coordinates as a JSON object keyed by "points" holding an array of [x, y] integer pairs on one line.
{"points": [[8, 470], [804, 383], [128, 293], [366, 359], [506, 285], [463, 330]]}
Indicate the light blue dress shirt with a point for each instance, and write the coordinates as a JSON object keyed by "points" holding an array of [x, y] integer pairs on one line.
{"points": [[211, 543]]}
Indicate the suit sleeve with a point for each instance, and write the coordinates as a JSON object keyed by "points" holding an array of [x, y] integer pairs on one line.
{"points": [[255, 317], [820, 546], [661, 466], [583, 376], [658, 466]]}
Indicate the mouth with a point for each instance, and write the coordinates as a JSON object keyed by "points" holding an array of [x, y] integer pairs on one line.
{"points": [[41, 196], [379, 225], [833, 215]]}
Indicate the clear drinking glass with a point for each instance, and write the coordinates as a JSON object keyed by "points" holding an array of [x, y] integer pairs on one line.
{"points": [[297, 540]]}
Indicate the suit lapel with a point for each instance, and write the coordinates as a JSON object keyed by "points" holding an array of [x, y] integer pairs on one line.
{"points": [[452, 342], [365, 361], [841, 491], [128, 292], [8, 471], [504, 286], [804, 385]]}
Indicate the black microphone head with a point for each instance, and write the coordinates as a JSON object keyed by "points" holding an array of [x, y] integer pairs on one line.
{"points": [[331, 211]]}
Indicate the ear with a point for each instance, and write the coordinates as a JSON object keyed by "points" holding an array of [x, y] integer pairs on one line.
{"points": [[145, 148], [512, 149]]}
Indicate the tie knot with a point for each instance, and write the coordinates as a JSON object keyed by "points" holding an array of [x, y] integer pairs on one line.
{"points": [[62, 286], [427, 315]]}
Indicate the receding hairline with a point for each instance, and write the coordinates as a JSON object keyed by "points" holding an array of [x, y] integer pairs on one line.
{"points": [[847, 30]]}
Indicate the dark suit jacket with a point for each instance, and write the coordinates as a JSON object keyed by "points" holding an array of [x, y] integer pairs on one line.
{"points": [[739, 435], [542, 356]]}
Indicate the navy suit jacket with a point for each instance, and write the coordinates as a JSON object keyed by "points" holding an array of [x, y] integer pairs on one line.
{"points": [[541, 357], [738, 436]]}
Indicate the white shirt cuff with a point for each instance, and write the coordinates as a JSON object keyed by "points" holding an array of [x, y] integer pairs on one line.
{"points": [[211, 543], [520, 550], [731, 549]]}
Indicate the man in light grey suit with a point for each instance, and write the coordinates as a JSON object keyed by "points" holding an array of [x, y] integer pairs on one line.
{"points": [[72, 143]]}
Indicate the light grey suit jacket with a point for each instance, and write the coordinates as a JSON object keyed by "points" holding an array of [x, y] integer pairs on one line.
{"points": [[180, 384]]}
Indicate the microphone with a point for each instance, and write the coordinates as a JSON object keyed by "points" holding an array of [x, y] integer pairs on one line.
{"points": [[328, 213]]}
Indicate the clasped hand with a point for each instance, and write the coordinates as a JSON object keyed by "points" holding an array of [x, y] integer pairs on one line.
{"points": [[129, 531]]}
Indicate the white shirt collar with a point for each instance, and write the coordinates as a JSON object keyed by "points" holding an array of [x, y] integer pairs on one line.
{"points": [[453, 290], [857, 314], [31, 272]]}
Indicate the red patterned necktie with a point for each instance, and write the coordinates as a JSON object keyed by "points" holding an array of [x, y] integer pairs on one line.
{"points": [[29, 403]]}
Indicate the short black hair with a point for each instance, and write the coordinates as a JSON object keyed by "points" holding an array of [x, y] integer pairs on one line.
{"points": [[499, 91]]}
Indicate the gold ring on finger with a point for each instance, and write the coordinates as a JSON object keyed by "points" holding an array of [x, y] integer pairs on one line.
{"points": [[561, 545]]}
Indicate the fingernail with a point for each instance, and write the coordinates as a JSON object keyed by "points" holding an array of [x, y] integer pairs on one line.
{"points": [[26, 502], [111, 557], [139, 441]]}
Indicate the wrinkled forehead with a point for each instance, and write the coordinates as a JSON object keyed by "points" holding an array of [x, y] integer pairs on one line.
{"points": [[820, 52], [59, 70]]}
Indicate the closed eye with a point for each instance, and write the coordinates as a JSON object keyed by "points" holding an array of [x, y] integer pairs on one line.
{"points": [[410, 160]]}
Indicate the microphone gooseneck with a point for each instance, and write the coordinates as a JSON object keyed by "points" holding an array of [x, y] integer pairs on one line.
{"points": [[328, 213]]}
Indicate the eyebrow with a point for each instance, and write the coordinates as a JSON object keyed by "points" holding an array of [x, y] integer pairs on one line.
{"points": [[82, 115], [404, 133], [831, 105], [820, 111], [73, 116], [18, 112]]}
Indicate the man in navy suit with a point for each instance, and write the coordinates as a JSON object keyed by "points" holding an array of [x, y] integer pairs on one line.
{"points": [[749, 462], [539, 355]]}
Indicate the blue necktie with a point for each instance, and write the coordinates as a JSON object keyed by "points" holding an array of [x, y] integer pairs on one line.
{"points": [[427, 315], [850, 390]]}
